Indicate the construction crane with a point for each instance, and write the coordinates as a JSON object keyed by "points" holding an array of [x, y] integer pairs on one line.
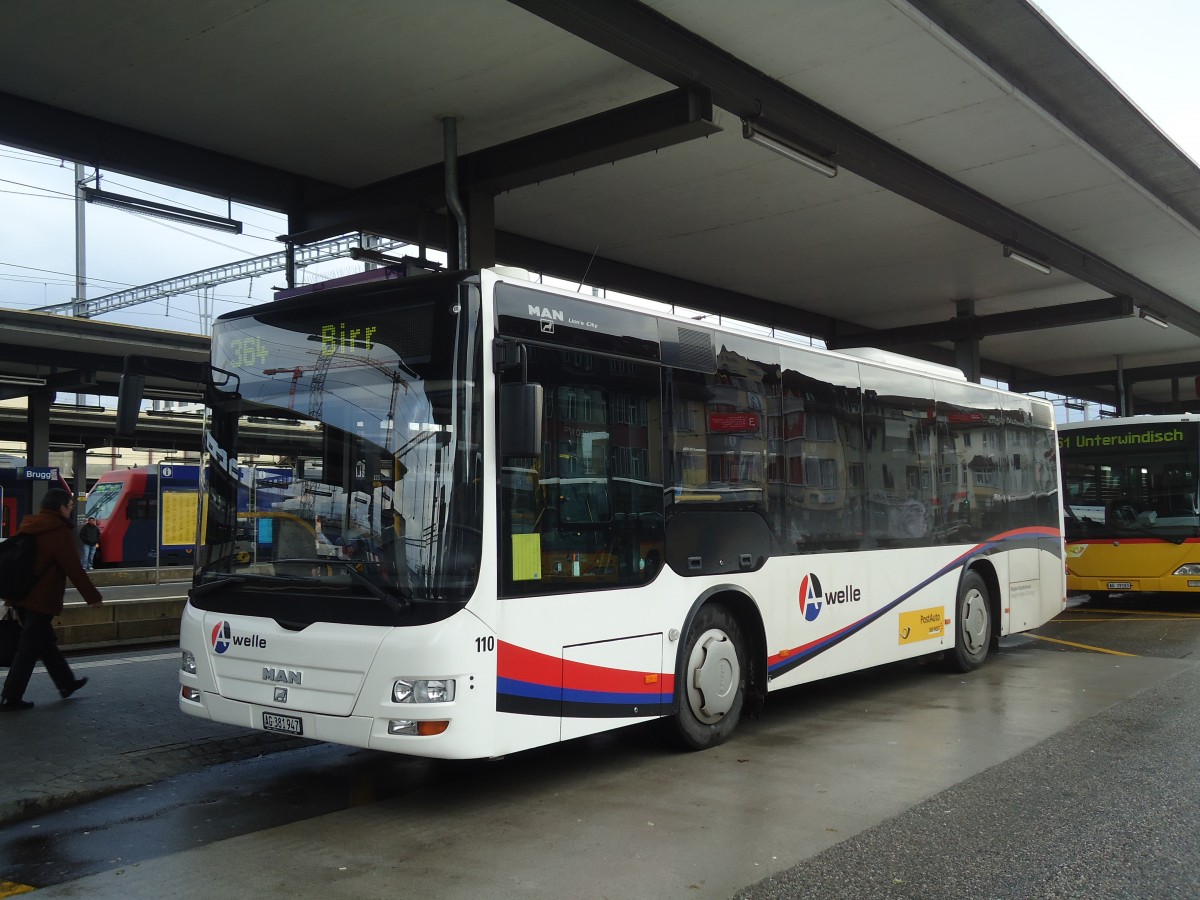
{"points": [[321, 369]]}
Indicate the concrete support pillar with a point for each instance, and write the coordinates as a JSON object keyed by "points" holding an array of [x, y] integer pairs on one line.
{"points": [[79, 480], [37, 438]]}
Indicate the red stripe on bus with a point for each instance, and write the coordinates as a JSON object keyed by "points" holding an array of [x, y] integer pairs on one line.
{"points": [[521, 664]]}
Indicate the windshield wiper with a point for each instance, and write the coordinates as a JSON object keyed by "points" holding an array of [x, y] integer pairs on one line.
{"points": [[1150, 532], [218, 581], [222, 579], [397, 604]]}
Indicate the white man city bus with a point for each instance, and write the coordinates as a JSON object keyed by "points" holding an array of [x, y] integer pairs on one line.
{"points": [[1130, 497], [553, 515]]}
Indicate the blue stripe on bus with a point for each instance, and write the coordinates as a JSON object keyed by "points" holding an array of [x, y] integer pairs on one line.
{"points": [[528, 689], [1018, 536], [546, 697], [554, 692]]}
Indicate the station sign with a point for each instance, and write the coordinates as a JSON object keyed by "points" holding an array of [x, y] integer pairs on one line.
{"points": [[40, 473]]}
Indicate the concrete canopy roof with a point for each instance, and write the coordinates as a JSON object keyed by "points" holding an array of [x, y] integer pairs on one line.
{"points": [[958, 128]]}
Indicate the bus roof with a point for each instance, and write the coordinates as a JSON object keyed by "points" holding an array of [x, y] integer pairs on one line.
{"points": [[654, 308], [1130, 420]]}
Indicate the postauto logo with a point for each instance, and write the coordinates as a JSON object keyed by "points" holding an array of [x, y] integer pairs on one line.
{"points": [[813, 599], [223, 638]]}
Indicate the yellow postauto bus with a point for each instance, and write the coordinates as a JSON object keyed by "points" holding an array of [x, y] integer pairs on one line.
{"points": [[1130, 503]]}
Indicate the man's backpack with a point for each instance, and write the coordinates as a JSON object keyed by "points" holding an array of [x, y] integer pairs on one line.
{"points": [[18, 566]]}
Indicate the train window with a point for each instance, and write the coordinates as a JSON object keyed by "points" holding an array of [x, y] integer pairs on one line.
{"points": [[143, 508]]}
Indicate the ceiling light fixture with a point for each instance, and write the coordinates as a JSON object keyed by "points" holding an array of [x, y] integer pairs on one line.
{"points": [[160, 210], [159, 393], [22, 381], [806, 158], [1027, 261], [1152, 318]]}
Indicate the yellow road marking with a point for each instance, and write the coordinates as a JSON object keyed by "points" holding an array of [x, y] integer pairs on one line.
{"points": [[1080, 646], [1136, 612], [11, 889]]}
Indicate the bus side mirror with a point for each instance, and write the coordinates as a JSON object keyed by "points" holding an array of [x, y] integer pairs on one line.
{"points": [[520, 419], [129, 403]]}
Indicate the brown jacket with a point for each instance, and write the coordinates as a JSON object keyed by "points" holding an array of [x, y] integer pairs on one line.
{"points": [[57, 560]]}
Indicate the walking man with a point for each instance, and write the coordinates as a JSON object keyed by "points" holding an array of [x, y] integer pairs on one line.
{"points": [[89, 536], [56, 562]]}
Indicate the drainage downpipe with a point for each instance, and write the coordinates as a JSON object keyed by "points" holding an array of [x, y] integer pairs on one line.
{"points": [[453, 201]]}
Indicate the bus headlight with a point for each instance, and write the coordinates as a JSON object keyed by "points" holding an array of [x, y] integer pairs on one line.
{"points": [[187, 663], [428, 690], [1188, 569]]}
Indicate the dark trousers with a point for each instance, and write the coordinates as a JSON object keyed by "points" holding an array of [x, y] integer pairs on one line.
{"points": [[37, 640]]}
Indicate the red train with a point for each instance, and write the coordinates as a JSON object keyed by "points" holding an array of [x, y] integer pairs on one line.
{"points": [[126, 505]]}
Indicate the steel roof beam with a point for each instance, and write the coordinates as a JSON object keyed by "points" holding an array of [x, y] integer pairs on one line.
{"points": [[646, 38], [965, 328], [576, 265], [93, 142], [1064, 384], [651, 124]]}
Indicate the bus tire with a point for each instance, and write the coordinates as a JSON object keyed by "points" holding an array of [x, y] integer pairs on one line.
{"points": [[973, 625], [712, 674]]}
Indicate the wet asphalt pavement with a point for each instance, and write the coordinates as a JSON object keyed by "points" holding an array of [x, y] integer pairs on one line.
{"points": [[1063, 769]]}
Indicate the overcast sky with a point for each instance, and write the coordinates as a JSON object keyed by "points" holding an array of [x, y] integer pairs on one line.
{"points": [[37, 243], [1150, 55], [1148, 50]]}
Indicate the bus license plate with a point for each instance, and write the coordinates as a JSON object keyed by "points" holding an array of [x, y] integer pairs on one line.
{"points": [[282, 724], [1119, 585]]}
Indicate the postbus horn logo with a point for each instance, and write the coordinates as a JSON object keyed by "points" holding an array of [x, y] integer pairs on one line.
{"points": [[811, 597], [220, 636]]}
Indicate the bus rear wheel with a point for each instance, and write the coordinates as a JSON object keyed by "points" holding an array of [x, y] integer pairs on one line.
{"points": [[972, 625], [711, 679]]}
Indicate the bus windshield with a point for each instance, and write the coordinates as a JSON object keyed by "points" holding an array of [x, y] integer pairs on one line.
{"points": [[376, 411], [1145, 488]]}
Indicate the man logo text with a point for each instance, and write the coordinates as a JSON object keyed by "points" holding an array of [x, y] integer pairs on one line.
{"points": [[281, 676], [545, 312]]}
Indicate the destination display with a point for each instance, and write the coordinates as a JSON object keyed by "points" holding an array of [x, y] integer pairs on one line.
{"points": [[1129, 436]]}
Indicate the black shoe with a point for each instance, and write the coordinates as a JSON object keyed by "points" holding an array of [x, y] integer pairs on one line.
{"points": [[75, 685], [7, 705]]}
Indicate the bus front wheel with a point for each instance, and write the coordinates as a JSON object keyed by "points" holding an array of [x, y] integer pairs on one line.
{"points": [[972, 625], [711, 686]]}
